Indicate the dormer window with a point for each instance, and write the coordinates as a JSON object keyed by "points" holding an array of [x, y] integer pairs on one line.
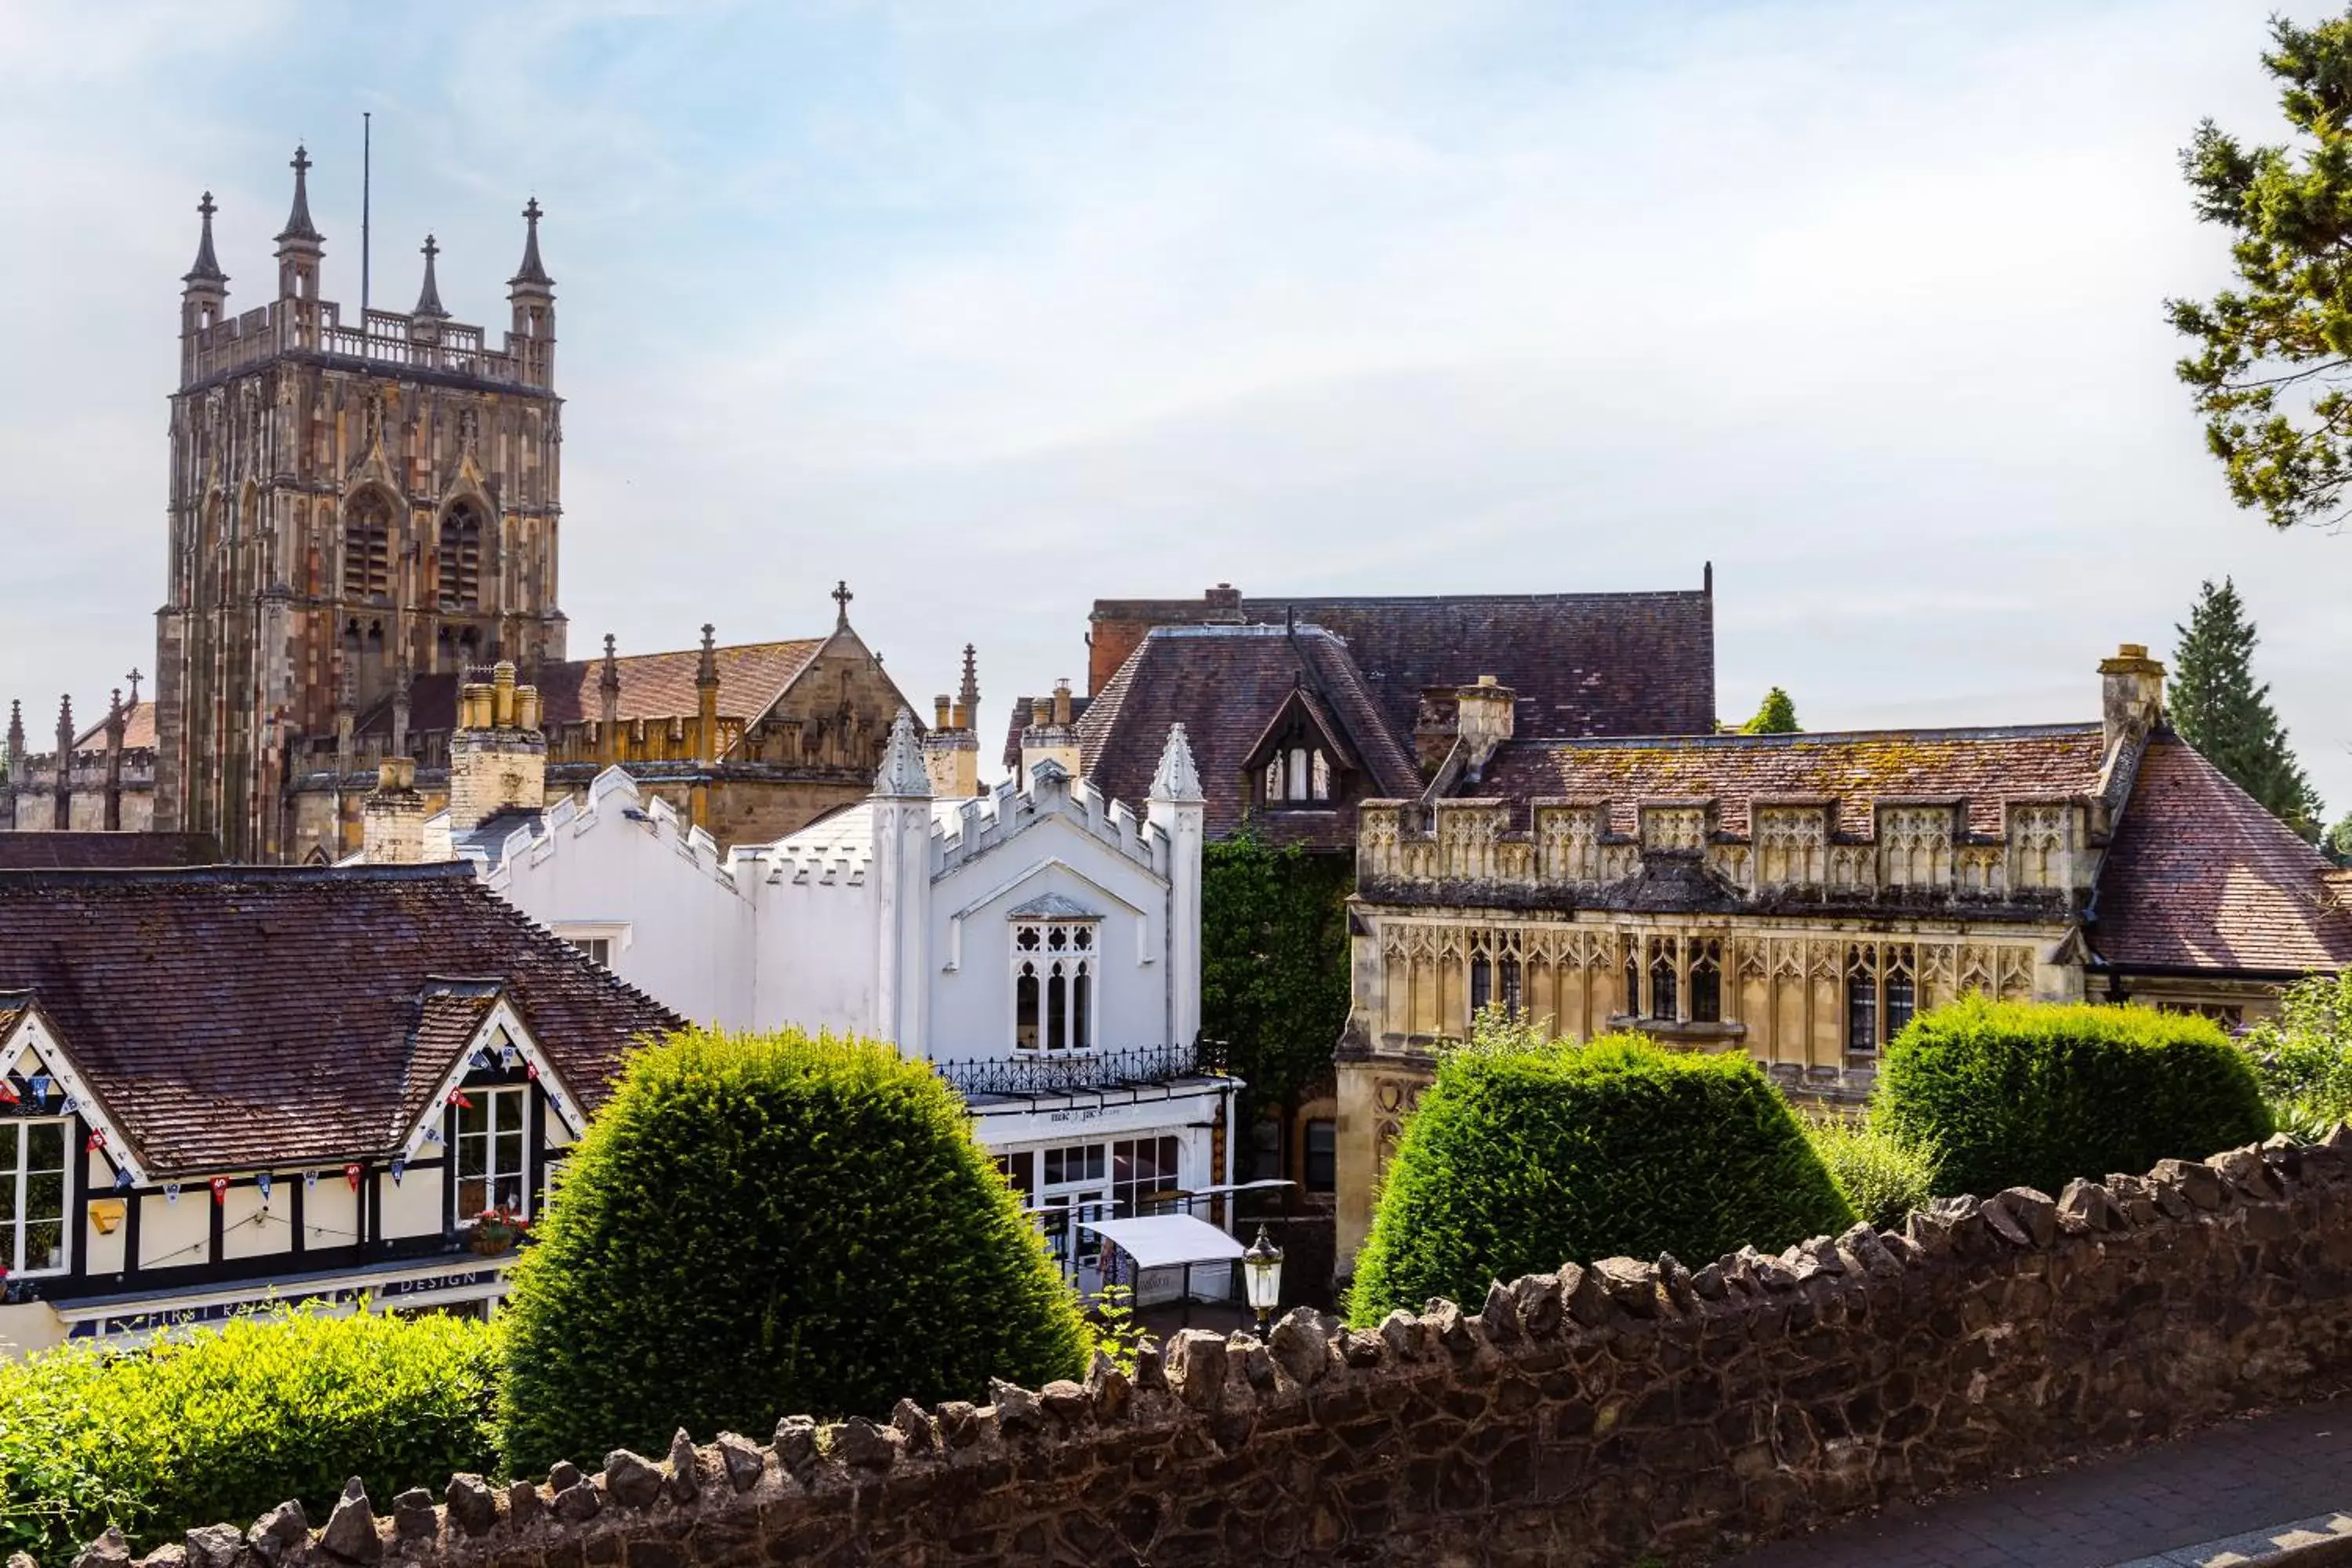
{"points": [[1298, 775], [1054, 985]]}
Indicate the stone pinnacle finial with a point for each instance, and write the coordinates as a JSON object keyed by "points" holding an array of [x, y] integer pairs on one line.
{"points": [[207, 268], [531, 274], [705, 670], [297, 222], [428, 300], [970, 694], [1176, 779], [903, 775], [65, 728]]}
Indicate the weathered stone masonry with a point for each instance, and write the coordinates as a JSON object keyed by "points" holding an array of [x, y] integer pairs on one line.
{"points": [[1585, 1417]]}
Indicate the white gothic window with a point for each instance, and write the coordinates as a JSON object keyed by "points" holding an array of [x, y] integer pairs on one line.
{"points": [[1054, 985]]}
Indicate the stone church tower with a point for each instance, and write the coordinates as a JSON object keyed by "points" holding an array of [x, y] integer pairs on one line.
{"points": [[352, 506]]}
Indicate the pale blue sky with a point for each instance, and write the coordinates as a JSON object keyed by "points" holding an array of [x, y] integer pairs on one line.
{"points": [[995, 307]]}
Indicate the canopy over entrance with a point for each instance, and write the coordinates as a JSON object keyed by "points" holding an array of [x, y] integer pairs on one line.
{"points": [[1164, 1241]]}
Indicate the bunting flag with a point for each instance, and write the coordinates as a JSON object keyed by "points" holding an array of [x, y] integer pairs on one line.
{"points": [[399, 1169], [352, 1174], [310, 1181], [262, 1181], [71, 1107], [122, 1180], [481, 1061], [458, 1098], [433, 1135], [534, 1072], [41, 1085], [508, 1055], [96, 1140], [8, 1095], [220, 1190], [171, 1192]]}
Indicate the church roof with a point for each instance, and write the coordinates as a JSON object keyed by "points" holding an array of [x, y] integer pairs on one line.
{"points": [[1853, 769], [1583, 664], [138, 731], [751, 676], [1222, 684], [2200, 877], [229, 1014]]}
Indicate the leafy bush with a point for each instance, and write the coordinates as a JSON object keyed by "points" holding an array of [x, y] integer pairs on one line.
{"points": [[2027, 1094], [756, 1225], [1526, 1155], [2302, 1057], [1882, 1176], [234, 1420]]}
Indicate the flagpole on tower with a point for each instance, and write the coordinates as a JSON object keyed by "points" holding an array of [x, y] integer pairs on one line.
{"points": [[367, 160]]}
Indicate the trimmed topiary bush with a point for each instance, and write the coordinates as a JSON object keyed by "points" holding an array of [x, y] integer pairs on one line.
{"points": [[229, 1422], [761, 1226], [1525, 1156], [2032, 1094]]}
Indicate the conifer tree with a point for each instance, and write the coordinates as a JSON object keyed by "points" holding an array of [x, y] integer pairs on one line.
{"points": [[1776, 716], [2217, 707]]}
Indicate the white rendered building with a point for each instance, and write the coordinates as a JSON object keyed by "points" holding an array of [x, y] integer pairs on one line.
{"points": [[1041, 944]]}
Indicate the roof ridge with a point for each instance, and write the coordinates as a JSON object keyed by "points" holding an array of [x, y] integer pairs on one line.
{"points": [[1734, 740], [428, 871]]}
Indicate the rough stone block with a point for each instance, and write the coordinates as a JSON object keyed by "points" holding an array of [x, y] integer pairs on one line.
{"points": [[1066, 1403], [795, 1444], [413, 1516], [2086, 1203], [862, 1446], [1538, 1300], [2035, 1212], [1300, 1346], [1112, 1394], [278, 1532], [1500, 1315], [473, 1506], [2195, 1181], [1629, 1284], [350, 1532], [1196, 1367], [578, 1503], [2004, 1224], [526, 1505], [1676, 1281], [215, 1546], [109, 1550], [685, 1469], [1587, 1302], [632, 1480], [741, 1459]]}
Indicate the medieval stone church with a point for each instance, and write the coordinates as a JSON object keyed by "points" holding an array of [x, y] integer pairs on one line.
{"points": [[364, 512]]}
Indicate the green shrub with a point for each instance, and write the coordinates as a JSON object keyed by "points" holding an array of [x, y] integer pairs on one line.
{"points": [[234, 1420], [759, 1226], [2024, 1094], [1523, 1156], [2302, 1057], [1882, 1176]]}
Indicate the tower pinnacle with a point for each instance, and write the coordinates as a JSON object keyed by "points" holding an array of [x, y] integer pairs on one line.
{"points": [[970, 695], [532, 273], [428, 298], [297, 222], [207, 268]]}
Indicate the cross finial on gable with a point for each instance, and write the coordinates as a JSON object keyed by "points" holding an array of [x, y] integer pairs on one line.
{"points": [[841, 597], [134, 677]]}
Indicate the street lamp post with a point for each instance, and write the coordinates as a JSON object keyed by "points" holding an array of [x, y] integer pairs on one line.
{"points": [[1262, 1276]]}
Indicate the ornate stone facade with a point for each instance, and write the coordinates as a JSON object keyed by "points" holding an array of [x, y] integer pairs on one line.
{"points": [[1591, 1418], [352, 505]]}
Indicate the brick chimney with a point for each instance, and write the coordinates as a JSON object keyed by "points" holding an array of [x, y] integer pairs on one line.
{"points": [[392, 819], [497, 758], [2131, 694], [1053, 733]]}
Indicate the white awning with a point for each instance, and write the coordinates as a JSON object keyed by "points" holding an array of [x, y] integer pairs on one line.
{"points": [[1162, 1241]]}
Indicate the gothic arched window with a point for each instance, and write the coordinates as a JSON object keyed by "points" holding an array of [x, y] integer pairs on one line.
{"points": [[460, 559], [367, 549]]}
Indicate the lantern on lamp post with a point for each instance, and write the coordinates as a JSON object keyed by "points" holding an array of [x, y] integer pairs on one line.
{"points": [[1262, 1278]]}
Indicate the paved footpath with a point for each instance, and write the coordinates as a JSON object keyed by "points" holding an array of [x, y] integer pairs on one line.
{"points": [[2221, 1481]]}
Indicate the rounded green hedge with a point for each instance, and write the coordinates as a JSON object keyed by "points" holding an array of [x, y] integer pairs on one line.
{"points": [[761, 1226], [2032, 1094], [227, 1423], [1525, 1157]]}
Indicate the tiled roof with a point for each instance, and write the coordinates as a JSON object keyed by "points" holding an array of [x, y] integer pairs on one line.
{"points": [[138, 731], [1022, 710], [1855, 769], [2200, 877], [751, 676], [90, 850], [1583, 664], [1222, 684], [240, 1013]]}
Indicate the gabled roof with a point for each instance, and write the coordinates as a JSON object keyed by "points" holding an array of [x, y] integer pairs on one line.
{"points": [[1583, 664], [1224, 685], [138, 731], [92, 850], [751, 676], [2200, 877], [1854, 769], [240, 1013]]}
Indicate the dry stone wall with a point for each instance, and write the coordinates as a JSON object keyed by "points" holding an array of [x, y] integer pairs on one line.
{"points": [[1587, 1417]]}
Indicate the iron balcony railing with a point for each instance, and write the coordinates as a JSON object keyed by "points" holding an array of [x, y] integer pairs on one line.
{"points": [[1080, 1072]]}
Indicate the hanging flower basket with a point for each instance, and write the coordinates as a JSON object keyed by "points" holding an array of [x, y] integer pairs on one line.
{"points": [[499, 1230]]}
